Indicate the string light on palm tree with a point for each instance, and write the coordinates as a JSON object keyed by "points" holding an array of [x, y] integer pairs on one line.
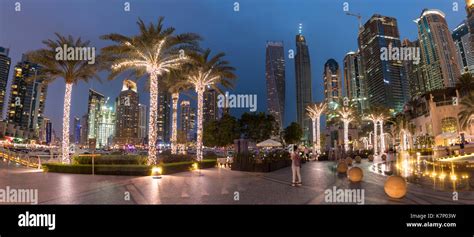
{"points": [[207, 72], [155, 51], [314, 112], [346, 117], [176, 82], [72, 71], [374, 118]]}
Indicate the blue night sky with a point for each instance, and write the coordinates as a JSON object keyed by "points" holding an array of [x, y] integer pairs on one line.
{"points": [[241, 35]]}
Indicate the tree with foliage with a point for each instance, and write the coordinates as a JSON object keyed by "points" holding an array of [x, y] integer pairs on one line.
{"points": [[222, 132], [71, 71], [465, 83], [293, 133], [258, 126], [153, 52], [466, 115]]}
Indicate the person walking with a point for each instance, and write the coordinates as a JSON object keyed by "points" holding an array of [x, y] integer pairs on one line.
{"points": [[296, 167]]}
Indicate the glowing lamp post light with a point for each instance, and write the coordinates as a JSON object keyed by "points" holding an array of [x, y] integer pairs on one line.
{"points": [[156, 172]]}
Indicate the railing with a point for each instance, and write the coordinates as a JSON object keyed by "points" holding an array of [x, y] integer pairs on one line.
{"points": [[27, 160]]}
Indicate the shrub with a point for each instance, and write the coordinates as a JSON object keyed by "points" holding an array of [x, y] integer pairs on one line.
{"points": [[173, 158]]}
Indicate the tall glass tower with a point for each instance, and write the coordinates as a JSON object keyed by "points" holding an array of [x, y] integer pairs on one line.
{"points": [[27, 96], [5, 62], [303, 84], [386, 83], [332, 83], [355, 84], [275, 79], [464, 50], [438, 51]]}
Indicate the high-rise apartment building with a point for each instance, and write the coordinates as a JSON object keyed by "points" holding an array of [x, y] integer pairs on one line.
{"points": [[275, 80], [438, 51], [386, 82], [303, 84]]}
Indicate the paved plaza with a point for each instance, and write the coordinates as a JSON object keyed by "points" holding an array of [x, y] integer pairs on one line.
{"points": [[213, 186]]}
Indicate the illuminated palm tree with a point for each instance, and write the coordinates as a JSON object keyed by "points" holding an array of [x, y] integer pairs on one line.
{"points": [[176, 82], [206, 71], [402, 130], [466, 116], [154, 51], [72, 71], [373, 116], [314, 112], [383, 115], [346, 116]]}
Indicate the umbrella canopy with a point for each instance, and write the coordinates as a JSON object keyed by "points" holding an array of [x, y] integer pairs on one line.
{"points": [[269, 143]]}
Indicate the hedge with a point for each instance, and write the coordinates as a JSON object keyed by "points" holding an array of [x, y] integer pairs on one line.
{"points": [[110, 160], [135, 170], [135, 159]]}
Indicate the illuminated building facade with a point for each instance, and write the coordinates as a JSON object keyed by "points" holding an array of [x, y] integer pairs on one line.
{"points": [[386, 82], [27, 97], [355, 84], [303, 84], [438, 51], [127, 110], [5, 62], [275, 79]]}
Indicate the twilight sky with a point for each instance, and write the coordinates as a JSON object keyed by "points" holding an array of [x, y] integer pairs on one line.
{"points": [[241, 35]]}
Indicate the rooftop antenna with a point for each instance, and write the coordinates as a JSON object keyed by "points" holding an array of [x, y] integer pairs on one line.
{"points": [[300, 28]]}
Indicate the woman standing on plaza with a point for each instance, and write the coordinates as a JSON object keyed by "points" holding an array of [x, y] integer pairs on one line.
{"points": [[296, 167]]}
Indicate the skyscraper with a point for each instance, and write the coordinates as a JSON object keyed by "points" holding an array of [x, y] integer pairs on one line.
{"points": [[438, 51], [188, 119], [27, 96], [164, 111], [210, 106], [95, 103], [105, 126], [127, 109], [386, 83], [303, 84], [76, 130], [84, 130], [414, 72], [464, 51], [355, 84], [142, 122], [5, 63], [332, 83], [275, 79], [470, 19]]}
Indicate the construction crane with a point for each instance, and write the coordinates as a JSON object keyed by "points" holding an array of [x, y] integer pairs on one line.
{"points": [[359, 18]]}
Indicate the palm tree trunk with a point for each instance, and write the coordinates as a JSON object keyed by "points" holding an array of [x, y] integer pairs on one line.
{"points": [[382, 138], [318, 134], [375, 138], [346, 136], [174, 132], [152, 119], [315, 146], [66, 113], [200, 93]]}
